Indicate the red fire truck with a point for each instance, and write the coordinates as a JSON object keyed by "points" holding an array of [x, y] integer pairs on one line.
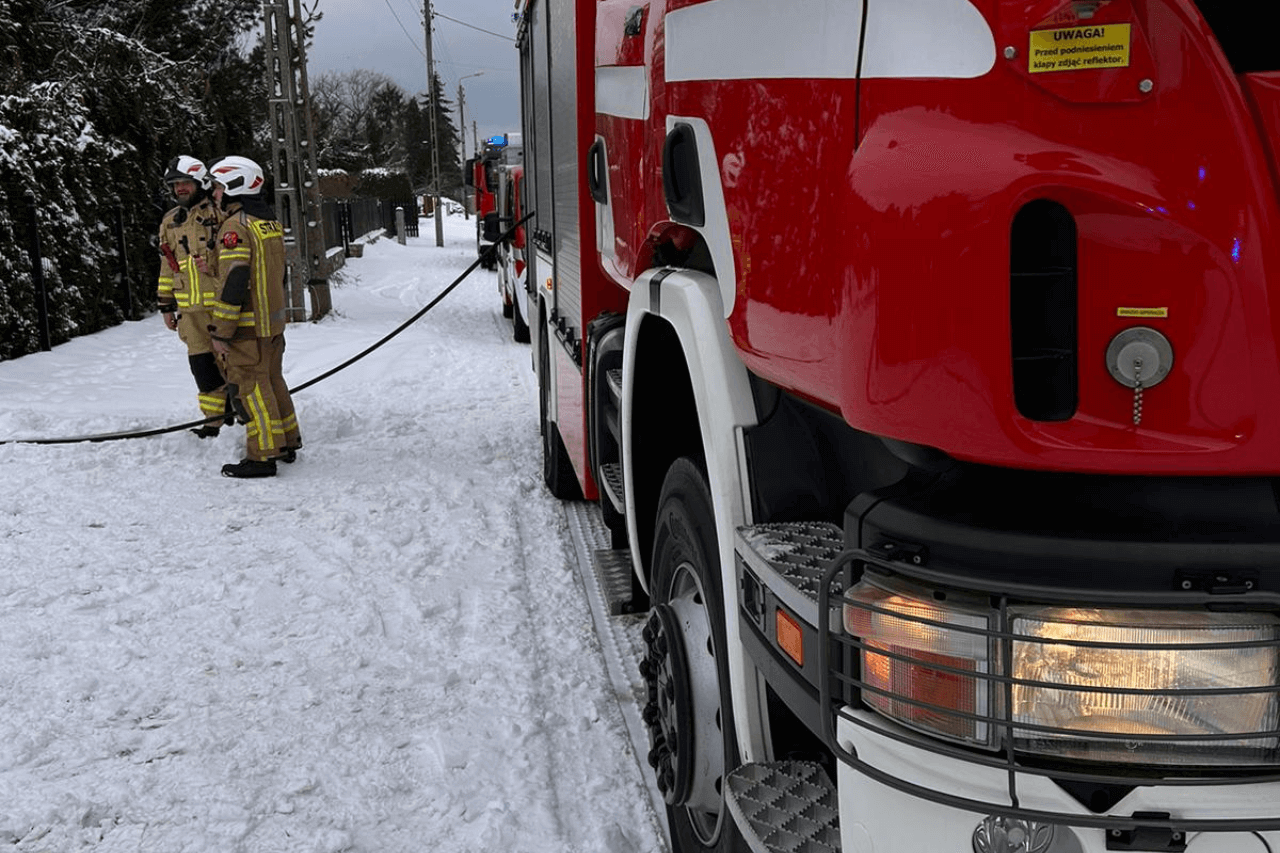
{"points": [[481, 174], [922, 358]]}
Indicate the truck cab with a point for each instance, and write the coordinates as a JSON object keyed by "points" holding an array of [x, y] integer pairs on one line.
{"points": [[922, 360]]}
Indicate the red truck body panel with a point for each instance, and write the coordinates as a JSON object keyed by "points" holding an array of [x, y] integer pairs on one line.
{"points": [[870, 222]]}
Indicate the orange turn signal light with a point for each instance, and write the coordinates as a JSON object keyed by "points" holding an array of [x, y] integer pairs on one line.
{"points": [[790, 637]]}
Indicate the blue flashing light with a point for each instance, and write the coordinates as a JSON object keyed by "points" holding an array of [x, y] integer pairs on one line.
{"points": [[1235, 250], [1203, 172], [497, 140]]}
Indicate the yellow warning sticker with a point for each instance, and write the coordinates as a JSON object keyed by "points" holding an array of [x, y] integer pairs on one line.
{"points": [[1079, 48], [1142, 312]]}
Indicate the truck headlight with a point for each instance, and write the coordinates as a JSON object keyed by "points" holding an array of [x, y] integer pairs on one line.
{"points": [[1192, 688], [1087, 672]]}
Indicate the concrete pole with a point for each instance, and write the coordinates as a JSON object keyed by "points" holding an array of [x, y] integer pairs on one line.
{"points": [[435, 147], [462, 138]]}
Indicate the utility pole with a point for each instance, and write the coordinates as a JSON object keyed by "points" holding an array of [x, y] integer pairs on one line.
{"points": [[435, 146], [462, 121], [462, 137], [292, 160]]}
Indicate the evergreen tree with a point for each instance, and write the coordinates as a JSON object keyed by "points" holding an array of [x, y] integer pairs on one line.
{"points": [[446, 139], [417, 144]]}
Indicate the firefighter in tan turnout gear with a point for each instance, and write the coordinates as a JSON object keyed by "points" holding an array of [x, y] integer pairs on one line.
{"points": [[184, 291], [248, 318]]}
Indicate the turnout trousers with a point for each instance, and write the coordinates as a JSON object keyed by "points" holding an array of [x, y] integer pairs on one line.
{"points": [[260, 397], [193, 330]]}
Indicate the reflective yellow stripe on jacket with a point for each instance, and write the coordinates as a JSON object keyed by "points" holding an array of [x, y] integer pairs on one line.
{"points": [[222, 310], [262, 230]]}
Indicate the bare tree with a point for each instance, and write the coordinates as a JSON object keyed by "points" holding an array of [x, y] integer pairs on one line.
{"points": [[358, 119]]}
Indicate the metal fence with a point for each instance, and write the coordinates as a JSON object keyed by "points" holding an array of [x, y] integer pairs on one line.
{"points": [[349, 220]]}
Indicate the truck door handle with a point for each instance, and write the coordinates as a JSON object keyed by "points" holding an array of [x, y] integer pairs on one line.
{"points": [[682, 176]]}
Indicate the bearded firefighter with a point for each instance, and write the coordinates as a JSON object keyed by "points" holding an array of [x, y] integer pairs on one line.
{"points": [[248, 318], [184, 289]]}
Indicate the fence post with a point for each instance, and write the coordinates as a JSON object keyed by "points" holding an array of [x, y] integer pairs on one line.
{"points": [[127, 302], [37, 274], [345, 226], [400, 225]]}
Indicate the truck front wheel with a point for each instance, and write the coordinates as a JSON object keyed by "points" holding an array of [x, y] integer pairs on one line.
{"points": [[688, 711]]}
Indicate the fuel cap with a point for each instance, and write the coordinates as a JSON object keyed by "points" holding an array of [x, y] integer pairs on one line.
{"points": [[1139, 354]]}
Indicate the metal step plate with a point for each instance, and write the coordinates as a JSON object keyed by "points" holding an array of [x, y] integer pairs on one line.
{"points": [[791, 558], [614, 486], [614, 379], [785, 807]]}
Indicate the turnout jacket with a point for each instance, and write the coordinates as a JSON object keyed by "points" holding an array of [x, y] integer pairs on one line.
{"points": [[250, 302], [186, 234]]}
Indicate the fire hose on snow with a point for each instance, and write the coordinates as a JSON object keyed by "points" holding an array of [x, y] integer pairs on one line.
{"points": [[147, 433]]}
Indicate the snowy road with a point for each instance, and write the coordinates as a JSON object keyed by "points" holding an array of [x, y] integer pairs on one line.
{"points": [[386, 648]]}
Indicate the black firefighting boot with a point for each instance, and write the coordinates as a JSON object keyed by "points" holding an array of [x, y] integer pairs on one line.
{"points": [[250, 468], [289, 455]]}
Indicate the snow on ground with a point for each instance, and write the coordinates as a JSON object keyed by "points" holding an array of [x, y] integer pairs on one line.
{"points": [[385, 648]]}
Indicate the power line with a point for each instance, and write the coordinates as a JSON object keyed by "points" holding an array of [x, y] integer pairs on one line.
{"points": [[473, 27], [411, 39]]}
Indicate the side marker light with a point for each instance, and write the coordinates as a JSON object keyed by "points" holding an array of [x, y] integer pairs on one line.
{"points": [[790, 637]]}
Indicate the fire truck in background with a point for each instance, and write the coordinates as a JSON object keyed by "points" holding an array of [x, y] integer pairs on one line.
{"points": [[510, 252], [922, 359], [480, 173]]}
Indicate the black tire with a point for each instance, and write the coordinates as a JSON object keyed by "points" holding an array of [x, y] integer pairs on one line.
{"points": [[519, 328], [557, 470], [688, 713]]}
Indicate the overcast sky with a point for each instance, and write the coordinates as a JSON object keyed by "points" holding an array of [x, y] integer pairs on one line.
{"points": [[470, 36]]}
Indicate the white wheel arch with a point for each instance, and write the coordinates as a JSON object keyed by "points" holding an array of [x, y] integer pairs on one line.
{"points": [[690, 303]]}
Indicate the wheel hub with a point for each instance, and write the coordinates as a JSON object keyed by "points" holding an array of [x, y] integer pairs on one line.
{"points": [[669, 710], [683, 709]]}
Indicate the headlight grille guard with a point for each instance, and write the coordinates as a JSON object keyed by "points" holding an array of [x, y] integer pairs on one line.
{"points": [[839, 654]]}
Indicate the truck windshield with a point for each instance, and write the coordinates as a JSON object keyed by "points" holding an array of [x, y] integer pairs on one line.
{"points": [[1246, 30]]}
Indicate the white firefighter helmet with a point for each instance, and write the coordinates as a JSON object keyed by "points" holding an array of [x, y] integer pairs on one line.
{"points": [[238, 176], [184, 168]]}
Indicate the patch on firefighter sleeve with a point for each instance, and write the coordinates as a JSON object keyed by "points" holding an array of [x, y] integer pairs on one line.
{"points": [[230, 240]]}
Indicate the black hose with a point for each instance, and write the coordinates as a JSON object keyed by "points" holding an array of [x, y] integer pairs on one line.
{"points": [[147, 433]]}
